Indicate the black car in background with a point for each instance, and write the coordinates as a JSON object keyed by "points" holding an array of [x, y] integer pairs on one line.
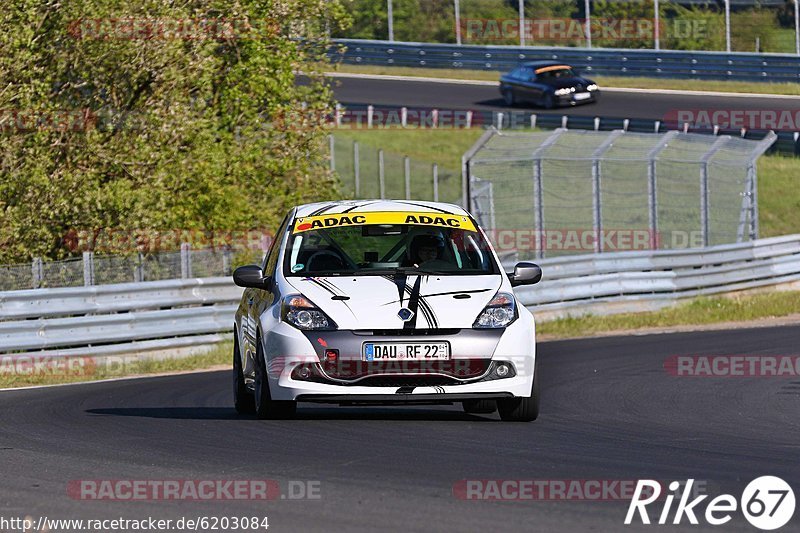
{"points": [[547, 84]]}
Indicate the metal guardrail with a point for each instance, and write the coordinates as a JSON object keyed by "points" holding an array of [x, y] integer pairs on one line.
{"points": [[610, 62], [118, 319], [383, 116], [161, 315], [118, 298], [642, 281]]}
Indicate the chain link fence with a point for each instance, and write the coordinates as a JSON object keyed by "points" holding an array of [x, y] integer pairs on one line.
{"points": [[368, 171], [543, 194], [760, 26], [91, 269]]}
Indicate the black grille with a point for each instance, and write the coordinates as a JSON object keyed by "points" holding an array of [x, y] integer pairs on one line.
{"points": [[407, 381], [407, 332]]}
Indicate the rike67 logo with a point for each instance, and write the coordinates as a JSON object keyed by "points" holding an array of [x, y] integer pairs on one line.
{"points": [[767, 503]]}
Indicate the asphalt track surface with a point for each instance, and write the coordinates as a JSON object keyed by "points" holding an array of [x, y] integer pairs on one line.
{"points": [[609, 411], [480, 97]]}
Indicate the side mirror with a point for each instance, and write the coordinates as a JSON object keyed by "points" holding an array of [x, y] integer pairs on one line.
{"points": [[525, 274], [250, 276]]}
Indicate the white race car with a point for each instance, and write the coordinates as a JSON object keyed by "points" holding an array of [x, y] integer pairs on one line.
{"points": [[383, 302]]}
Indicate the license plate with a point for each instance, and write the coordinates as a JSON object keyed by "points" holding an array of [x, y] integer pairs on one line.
{"points": [[582, 96], [407, 351]]}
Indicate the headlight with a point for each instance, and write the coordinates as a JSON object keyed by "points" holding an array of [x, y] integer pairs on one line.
{"points": [[500, 312], [592, 87], [564, 91], [302, 314]]}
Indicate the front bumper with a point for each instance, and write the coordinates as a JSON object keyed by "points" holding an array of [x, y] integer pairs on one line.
{"points": [[470, 374], [573, 98]]}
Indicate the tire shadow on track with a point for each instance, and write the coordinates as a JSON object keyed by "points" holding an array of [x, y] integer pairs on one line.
{"points": [[342, 413]]}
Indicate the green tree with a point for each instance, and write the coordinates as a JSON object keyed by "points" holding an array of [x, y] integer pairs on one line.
{"points": [[145, 114]]}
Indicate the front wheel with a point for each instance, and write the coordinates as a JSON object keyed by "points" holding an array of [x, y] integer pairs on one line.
{"points": [[266, 407], [243, 401], [521, 409], [508, 97], [479, 407]]}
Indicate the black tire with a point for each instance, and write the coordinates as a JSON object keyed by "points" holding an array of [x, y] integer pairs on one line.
{"points": [[479, 407], [521, 409], [265, 406], [509, 98], [243, 401], [548, 101]]}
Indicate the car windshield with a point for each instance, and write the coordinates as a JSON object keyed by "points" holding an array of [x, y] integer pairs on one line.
{"points": [[350, 244], [555, 73]]}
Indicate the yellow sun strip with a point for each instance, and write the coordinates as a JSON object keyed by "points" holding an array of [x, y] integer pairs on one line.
{"points": [[548, 69], [443, 220]]}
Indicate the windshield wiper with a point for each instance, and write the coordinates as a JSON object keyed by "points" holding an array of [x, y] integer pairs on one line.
{"points": [[416, 270]]}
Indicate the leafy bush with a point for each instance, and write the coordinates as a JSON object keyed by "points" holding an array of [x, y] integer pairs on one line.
{"points": [[105, 122]]}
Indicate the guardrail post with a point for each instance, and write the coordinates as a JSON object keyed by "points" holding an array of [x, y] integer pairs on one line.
{"points": [[370, 113], [407, 175], [381, 180], [704, 203], [331, 146], [404, 116], [186, 260], [499, 120], [657, 35], [36, 272], [597, 220], [338, 115], [753, 179], [469, 119], [538, 210], [597, 210], [533, 121], [390, 18], [138, 273], [356, 169], [88, 269], [458, 21], [797, 27], [727, 26], [226, 262], [588, 10], [465, 182], [704, 194], [435, 182]]}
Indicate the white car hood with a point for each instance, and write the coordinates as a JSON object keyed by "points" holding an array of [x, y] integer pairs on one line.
{"points": [[373, 302]]}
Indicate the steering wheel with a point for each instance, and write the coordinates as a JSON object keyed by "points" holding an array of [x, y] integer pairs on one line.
{"points": [[323, 253]]}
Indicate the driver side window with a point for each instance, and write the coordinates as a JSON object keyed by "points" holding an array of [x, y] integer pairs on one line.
{"points": [[271, 260]]}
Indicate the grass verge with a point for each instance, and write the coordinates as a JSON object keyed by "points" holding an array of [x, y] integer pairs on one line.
{"points": [[700, 311], [790, 89], [25, 370]]}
